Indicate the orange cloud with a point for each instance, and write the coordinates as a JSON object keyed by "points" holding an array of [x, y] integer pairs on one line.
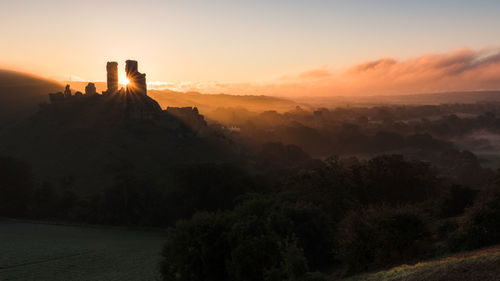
{"points": [[462, 70], [315, 74]]}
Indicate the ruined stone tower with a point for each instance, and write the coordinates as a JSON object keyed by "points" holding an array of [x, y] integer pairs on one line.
{"points": [[137, 80], [112, 70]]}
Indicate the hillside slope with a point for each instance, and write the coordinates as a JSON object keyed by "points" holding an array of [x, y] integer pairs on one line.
{"points": [[20, 94], [92, 141], [206, 103], [478, 265]]}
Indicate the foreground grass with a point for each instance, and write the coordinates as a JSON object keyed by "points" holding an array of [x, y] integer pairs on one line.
{"points": [[478, 265], [48, 252]]}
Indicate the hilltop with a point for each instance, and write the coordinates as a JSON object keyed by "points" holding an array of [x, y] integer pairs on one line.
{"points": [[20, 94], [92, 141], [210, 102]]}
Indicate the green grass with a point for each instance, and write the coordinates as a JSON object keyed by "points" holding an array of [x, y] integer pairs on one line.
{"points": [[478, 265], [30, 251]]}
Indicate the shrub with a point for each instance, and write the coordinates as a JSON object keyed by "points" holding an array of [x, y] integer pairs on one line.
{"points": [[456, 200], [480, 226], [197, 249], [206, 187], [256, 241], [315, 234], [390, 179], [379, 237]]}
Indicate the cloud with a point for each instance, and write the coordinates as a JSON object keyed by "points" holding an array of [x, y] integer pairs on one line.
{"points": [[314, 74], [371, 65], [461, 70]]}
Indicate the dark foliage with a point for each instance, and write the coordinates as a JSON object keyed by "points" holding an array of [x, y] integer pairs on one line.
{"points": [[208, 187], [16, 185], [256, 241], [132, 201], [392, 180], [305, 214], [480, 226], [456, 200], [379, 237]]}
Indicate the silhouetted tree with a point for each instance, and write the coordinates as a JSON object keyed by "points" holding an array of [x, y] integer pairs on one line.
{"points": [[16, 186]]}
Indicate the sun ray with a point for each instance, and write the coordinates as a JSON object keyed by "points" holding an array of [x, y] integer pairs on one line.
{"points": [[123, 80]]}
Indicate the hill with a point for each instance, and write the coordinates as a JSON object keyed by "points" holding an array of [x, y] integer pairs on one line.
{"points": [[476, 265], [207, 103], [90, 142], [20, 95]]}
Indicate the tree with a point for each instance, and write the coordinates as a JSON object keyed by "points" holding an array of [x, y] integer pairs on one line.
{"points": [[16, 185]]}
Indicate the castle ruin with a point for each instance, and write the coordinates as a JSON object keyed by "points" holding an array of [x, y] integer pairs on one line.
{"points": [[136, 83], [133, 99], [137, 80], [112, 77]]}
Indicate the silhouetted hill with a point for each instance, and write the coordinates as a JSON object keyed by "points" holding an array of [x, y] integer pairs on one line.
{"points": [[207, 103], [93, 142], [20, 94]]}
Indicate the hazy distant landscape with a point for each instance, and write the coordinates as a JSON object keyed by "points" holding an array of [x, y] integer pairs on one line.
{"points": [[423, 166]]}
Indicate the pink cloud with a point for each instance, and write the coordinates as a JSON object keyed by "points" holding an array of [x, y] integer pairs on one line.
{"points": [[462, 70]]}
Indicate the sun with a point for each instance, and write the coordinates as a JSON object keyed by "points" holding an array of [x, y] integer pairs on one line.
{"points": [[124, 80]]}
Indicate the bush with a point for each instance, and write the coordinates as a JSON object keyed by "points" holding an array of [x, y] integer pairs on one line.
{"points": [[197, 249], [379, 237], [315, 234], [456, 200], [256, 241], [480, 226], [390, 179], [206, 187]]}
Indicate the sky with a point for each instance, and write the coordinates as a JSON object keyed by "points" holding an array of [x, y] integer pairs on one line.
{"points": [[280, 47]]}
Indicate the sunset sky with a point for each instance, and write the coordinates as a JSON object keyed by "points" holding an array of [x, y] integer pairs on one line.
{"points": [[269, 47]]}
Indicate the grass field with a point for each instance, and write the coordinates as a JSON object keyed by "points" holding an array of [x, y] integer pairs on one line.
{"points": [[30, 251], [481, 265]]}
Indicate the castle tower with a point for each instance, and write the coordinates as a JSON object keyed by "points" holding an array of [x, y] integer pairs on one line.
{"points": [[112, 71], [131, 68], [137, 81]]}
